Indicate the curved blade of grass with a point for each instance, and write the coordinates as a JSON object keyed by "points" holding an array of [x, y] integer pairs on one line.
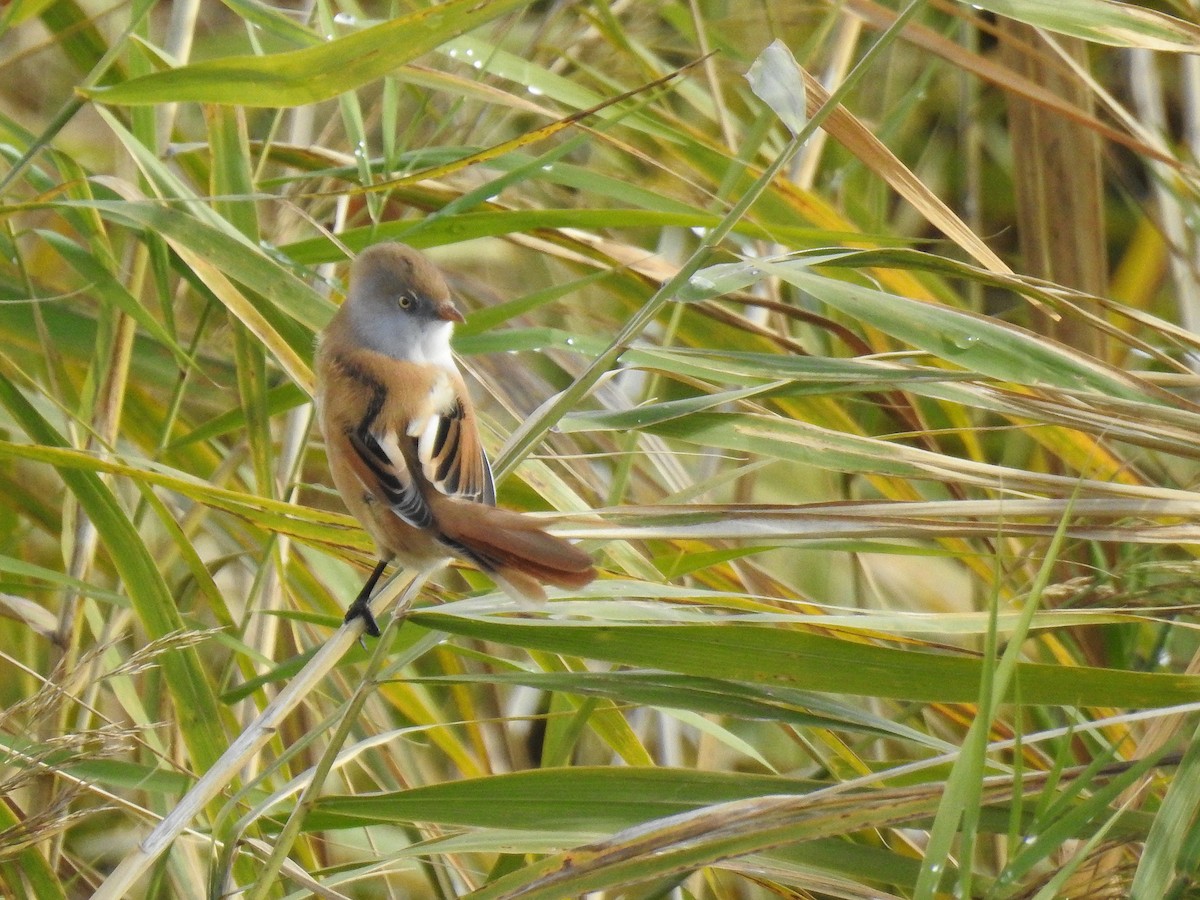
{"points": [[800, 442], [975, 342], [272, 21], [823, 855], [226, 250], [1103, 22], [579, 799], [305, 523], [707, 695], [774, 524], [816, 662], [277, 400], [487, 57], [311, 74], [671, 848], [615, 601]]}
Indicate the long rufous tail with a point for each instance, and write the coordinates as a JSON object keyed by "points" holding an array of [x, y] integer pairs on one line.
{"points": [[514, 548]]}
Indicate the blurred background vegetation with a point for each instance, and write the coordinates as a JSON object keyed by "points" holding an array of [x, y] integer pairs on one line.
{"points": [[878, 413]]}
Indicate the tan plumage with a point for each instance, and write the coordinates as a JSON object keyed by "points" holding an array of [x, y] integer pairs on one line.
{"points": [[402, 440]]}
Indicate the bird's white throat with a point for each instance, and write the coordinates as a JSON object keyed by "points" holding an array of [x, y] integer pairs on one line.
{"points": [[435, 346]]}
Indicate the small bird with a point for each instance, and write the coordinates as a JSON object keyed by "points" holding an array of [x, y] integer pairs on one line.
{"points": [[402, 440]]}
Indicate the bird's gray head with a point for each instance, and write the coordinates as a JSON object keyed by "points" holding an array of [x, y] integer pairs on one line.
{"points": [[399, 305]]}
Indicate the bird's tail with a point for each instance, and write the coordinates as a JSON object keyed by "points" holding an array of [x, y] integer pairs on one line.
{"points": [[514, 549]]}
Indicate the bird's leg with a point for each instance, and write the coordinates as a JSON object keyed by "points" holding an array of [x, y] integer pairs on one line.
{"points": [[361, 607]]}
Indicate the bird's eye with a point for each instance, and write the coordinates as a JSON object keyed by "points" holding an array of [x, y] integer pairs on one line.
{"points": [[405, 301]]}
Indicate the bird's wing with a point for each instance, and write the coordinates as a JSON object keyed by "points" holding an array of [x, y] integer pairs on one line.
{"points": [[439, 448], [448, 448], [382, 467]]}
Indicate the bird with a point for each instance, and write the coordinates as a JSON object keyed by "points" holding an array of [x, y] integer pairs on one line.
{"points": [[402, 438]]}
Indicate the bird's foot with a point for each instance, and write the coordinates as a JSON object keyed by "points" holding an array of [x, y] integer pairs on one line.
{"points": [[361, 609]]}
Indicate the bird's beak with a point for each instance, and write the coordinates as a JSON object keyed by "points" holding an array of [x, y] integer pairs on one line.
{"points": [[447, 311]]}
